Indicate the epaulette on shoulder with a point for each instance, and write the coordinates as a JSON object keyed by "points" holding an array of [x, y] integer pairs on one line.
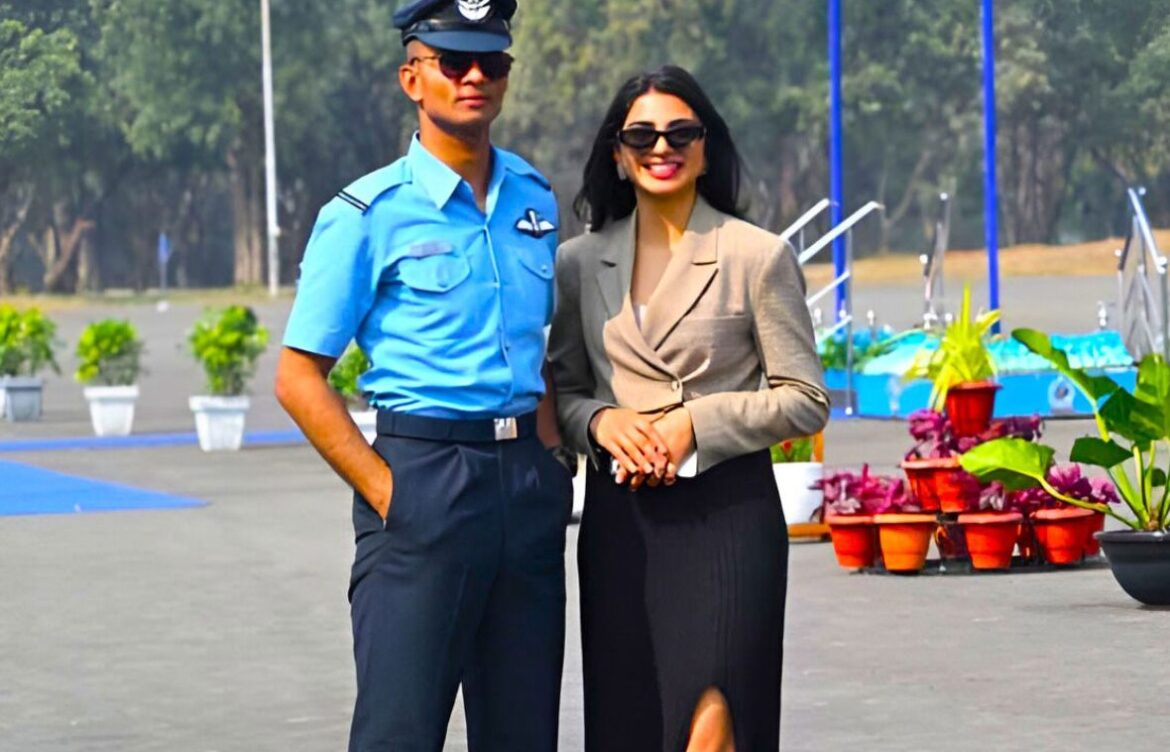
{"points": [[361, 193], [518, 165]]}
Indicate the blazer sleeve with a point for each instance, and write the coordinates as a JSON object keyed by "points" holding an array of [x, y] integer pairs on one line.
{"points": [[572, 373], [795, 402]]}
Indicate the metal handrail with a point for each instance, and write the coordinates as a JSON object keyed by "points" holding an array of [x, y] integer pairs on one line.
{"points": [[1145, 315], [845, 315], [932, 266], [840, 230], [799, 225]]}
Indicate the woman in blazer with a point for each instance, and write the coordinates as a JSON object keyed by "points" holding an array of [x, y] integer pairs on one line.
{"points": [[681, 350]]}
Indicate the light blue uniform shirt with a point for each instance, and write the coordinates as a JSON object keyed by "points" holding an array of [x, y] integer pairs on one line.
{"points": [[448, 302]]}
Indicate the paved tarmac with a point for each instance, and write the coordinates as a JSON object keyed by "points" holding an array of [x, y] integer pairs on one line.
{"points": [[225, 627]]}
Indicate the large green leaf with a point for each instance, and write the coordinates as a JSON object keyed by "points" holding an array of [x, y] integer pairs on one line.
{"points": [[1095, 388], [1153, 390], [1132, 419], [1090, 450], [1015, 463]]}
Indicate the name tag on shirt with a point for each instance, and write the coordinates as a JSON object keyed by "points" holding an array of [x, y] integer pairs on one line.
{"points": [[429, 248]]}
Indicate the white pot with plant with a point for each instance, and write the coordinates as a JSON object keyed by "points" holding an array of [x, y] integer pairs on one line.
{"points": [[26, 348], [109, 355], [344, 378], [226, 343], [798, 467]]}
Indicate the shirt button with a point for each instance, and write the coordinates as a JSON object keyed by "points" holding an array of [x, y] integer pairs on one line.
{"points": [[674, 385], [544, 268]]}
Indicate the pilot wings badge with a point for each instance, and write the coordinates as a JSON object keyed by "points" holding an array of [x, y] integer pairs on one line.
{"points": [[532, 224], [475, 10]]}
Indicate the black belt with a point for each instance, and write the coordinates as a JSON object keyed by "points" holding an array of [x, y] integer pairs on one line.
{"points": [[444, 429]]}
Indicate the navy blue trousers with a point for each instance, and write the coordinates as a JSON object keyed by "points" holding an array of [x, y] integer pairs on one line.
{"points": [[465, 584]]}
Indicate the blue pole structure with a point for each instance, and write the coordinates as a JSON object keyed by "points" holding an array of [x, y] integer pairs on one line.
{"points": [[990, 191], [836, 181]]}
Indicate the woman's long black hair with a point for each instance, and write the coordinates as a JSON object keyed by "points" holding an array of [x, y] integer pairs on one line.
{"points": [[604, 197]]}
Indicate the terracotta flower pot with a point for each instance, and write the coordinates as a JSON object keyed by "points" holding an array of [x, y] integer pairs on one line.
{"points": [[1096, 525], [904, 540], [970, 406], [991, 537], [1062, 533], [853, 539], [941, 484]]}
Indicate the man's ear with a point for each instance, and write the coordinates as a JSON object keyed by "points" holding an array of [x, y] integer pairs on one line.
{"points": [[410, 79]]}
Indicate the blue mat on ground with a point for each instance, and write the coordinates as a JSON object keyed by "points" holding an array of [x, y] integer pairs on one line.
{"points": [[26, 490], [256, 438]]}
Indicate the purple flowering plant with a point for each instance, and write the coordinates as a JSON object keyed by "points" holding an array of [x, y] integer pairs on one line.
{"points": [[1069, 481], [847, 492], [934, 437]]}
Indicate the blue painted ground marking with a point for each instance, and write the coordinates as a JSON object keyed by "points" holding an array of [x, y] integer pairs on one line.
{"points": [[257, 438], [26, 490]]}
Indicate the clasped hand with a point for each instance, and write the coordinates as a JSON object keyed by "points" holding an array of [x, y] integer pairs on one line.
{"points": [[647, 450]]}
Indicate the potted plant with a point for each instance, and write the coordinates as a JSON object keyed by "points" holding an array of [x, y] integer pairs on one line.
{"points": [[1064, 533], [27, 341], [932, 465], [1130, 428], [853, 504], [109, 355], [961, 370], [797, 465], [344, 379], [226, 343]]}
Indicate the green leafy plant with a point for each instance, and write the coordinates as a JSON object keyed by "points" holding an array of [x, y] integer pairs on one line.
{"points": [[1132, 445], [227, 343], [109, 354], [962, 355], [27, 341], [344, 376]]}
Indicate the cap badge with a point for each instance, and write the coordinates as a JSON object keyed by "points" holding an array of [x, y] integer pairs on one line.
{"points": [[475, 10]]}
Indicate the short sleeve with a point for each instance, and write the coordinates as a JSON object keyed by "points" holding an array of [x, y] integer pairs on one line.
{"points": [[335, 290]]}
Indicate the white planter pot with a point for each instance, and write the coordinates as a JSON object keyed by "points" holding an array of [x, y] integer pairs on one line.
{"points": [[793, 480], [22, 397], [367, 422], [219, 421], [111, 409]]}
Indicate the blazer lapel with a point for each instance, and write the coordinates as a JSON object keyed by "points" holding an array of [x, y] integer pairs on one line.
{"points": [[613, 279], [617, 264], [687, 276]]}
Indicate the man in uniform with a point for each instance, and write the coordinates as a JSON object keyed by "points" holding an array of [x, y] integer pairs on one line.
{"points": [[441, 267]]}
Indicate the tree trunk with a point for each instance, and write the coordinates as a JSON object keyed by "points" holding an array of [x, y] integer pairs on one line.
{"points": [[61, 249], [21, 202], [1038, 174], [248, 218]]}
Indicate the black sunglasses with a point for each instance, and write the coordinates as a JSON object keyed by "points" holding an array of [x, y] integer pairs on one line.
{"points": [[455, 65], [677, 136]]}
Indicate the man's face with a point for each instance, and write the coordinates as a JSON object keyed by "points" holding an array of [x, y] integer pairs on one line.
{"points": [[452, 98]]}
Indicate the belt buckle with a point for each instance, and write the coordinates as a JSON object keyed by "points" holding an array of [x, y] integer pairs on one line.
{"points": [[506, 429]]}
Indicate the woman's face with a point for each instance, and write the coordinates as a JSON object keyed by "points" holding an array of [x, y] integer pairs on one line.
{"points": [[660, 169]]}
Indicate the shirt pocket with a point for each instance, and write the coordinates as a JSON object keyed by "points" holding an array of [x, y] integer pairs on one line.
{"points": [[536, 258], [435, 273]]}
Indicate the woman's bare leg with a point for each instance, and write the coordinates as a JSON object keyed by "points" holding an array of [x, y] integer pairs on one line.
{"points": [[711, 726]]}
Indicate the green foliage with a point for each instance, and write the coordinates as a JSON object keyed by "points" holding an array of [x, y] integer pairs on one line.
{"points": [[792, 450], [344, 376], [227, 343], [36, 72], [1133, 445], [27, 341], [109, 354], [962, 355]]}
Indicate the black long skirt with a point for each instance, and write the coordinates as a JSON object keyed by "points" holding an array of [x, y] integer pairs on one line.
{"points": [[682, 588]]}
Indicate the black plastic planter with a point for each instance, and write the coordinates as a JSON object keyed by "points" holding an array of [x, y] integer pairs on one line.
{"points": [[1140, 563]]}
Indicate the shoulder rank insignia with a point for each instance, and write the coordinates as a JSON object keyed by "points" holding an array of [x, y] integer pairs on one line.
{"points": [[532, 224]]}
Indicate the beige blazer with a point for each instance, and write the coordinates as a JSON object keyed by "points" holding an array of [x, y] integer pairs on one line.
{"points": [[726, 333]]}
